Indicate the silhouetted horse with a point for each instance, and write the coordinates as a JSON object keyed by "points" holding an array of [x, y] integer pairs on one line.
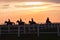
{"points": [[9, 23], [32, 22], [20, 22]]}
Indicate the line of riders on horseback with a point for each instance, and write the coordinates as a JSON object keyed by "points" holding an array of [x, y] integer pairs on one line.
{"points": [[20, 22]]}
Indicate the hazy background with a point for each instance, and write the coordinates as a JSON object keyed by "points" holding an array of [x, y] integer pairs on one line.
{"points": [[27, 9]]}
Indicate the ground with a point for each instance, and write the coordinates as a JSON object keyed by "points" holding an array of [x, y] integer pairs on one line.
{"points": [[29, 37]]}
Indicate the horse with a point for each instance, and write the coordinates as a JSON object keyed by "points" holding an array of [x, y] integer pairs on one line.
{"points": [[9, 23], [32, 22], [20, 22]]}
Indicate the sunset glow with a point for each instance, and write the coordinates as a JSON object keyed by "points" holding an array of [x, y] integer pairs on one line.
{"points": [[27, 10]]}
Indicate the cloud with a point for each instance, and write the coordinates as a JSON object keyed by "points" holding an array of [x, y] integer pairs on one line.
{"points": [[5, 6], [26, 6], [55, 1]]}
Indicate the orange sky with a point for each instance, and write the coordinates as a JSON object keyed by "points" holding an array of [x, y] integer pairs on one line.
{"points": [[27, 10]]}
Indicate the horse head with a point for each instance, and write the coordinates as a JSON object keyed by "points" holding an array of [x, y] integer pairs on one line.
{"points": [[6, 22]]}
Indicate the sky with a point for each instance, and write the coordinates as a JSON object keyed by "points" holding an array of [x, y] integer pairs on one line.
{"points": [[39, 10]]}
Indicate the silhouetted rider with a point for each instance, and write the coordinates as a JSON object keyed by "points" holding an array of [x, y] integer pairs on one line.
{"points": [[32, 21], [20, 22], [48, 21], [9, 22]]}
